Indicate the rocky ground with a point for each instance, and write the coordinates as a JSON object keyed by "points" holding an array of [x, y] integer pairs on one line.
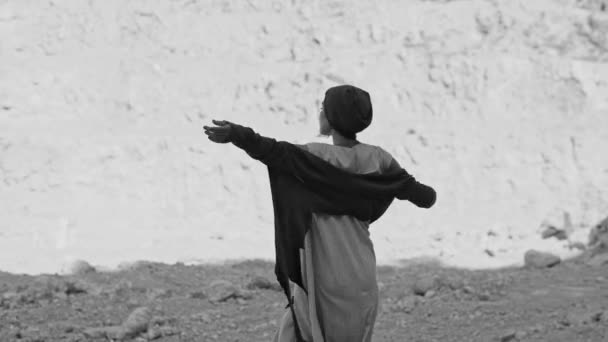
{"points": [[420, 301]]}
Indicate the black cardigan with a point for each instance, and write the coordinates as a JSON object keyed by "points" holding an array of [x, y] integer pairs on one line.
{"points": [[302, 184]]}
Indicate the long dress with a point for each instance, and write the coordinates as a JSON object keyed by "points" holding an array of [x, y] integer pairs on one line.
{"points": [[338, 264]]}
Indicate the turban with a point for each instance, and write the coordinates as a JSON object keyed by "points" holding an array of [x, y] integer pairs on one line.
{"points": [[348, 109]]}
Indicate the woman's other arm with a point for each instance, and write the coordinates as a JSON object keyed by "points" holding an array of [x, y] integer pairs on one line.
{"points": [[421, 195]]}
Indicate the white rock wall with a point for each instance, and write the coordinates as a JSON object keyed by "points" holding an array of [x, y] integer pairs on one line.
{"points": [[502, 106]]}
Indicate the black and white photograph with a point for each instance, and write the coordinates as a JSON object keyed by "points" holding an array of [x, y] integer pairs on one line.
{"points": [[304, 170]]}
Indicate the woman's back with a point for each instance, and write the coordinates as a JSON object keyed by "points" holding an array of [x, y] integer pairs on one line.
{"points": [[340, 255], [361, 158]]}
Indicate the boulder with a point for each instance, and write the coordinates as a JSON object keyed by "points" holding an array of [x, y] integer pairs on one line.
{"points": [[537, 259], [598, 237], [77, 267]]}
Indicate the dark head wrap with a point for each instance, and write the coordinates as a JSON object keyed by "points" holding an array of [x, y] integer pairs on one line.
{"points": [[348, 109]]}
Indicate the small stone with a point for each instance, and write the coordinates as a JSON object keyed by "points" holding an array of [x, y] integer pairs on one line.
{"points": [[598, 260], [483, 296], [424, 284], [102, 332], [153, 334], [468, 289], [263, 283], [536, 328], [136, 323], [198, 295], [536, 259], [521, 334], [551, 231], [221, 290], [454, 283], [203, 317], [168, 331], [9, 296], [72, 288], [577, 245], [509, 336], [583, 317], [154, 294], [406, 304], [115, 332]]}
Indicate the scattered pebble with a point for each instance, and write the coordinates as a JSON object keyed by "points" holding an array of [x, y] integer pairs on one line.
{"points": [[551, 231], [197, 295], [406, 304], [509, 336], [263, 283], [154, 294], [136, 323], [223, 290], [597, 260], [424, 284]]}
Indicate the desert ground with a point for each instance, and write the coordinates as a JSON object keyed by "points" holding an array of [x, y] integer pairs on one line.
{"points": [[420, 301]]}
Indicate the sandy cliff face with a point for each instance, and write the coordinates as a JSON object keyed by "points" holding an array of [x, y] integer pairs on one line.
{"points": [[502, 106]]}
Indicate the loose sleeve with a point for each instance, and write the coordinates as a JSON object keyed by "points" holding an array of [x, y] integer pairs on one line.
{"points": [[419, 194]]}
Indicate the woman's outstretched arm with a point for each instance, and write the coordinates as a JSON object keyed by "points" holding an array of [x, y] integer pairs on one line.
{"points": [[267, 150], [421, 195], [279, 154]]}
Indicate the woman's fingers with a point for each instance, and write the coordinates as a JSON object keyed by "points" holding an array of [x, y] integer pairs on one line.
{"points": [[218, 139], [220, 133], [220, 122], [217, 129]]}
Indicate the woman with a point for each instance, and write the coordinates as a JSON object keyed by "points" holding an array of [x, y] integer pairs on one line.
{"points": [[335, 292]]}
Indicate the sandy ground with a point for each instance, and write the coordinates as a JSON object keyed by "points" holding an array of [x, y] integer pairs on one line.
{"points": [[240, 302]]}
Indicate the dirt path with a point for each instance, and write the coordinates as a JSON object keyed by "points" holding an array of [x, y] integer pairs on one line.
{"points": [[240, 302]]}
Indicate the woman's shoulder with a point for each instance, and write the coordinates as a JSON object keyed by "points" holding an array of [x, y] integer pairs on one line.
{"points": [[363, 152], [318, 146]]}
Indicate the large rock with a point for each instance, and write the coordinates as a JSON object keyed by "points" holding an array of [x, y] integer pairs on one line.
{"points": [[77, 267], [598, 238], [537, 259]]}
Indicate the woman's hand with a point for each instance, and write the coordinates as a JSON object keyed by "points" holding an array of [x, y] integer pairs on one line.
{"points": [[219, 134]]}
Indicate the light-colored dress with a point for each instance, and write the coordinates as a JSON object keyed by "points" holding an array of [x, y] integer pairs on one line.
{"points": [[338, 264]]}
